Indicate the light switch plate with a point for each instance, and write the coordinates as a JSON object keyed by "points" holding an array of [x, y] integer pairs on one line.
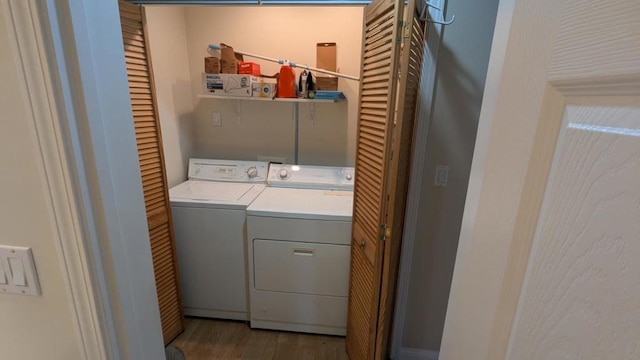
{"points": [[3, 276], [442, 175], [217, 119], [19, 268]]}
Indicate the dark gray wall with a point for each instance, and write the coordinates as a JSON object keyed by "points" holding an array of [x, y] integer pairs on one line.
{"points": [[462, 67]]}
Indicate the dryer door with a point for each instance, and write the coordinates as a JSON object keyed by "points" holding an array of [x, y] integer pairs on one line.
{"points": [[303, 268]]}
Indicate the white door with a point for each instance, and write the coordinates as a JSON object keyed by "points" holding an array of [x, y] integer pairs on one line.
{"points": [[548, 261]]}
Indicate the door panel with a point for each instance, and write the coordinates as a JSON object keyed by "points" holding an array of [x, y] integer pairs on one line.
{"points": [[583, 263], [385, 130], [576, 294], [410, 70], [375, 121], [549, 269], [361, 295], [151, 158]]}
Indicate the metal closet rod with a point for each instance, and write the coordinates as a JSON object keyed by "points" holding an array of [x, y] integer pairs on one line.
{"points": [[290, 63]]}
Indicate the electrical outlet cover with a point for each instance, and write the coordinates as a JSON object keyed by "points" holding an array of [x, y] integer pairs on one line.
{"points": [[217, 119], [442, 175]]}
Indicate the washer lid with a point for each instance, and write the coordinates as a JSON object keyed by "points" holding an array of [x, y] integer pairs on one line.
{"points": [[215, 193], [303, 204]]}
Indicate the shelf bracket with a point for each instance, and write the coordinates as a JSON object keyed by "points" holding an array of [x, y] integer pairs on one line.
{"points": [[312, 113], [238, 110]]}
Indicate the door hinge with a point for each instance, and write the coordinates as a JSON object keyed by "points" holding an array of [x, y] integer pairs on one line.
{"points": [[400, 33], [407, 30], [385, 232]]}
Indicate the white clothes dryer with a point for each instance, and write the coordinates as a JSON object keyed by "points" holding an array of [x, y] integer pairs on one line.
{"points": [[209, 219], [298, 240]]}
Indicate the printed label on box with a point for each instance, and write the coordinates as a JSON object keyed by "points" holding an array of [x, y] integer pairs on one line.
{"points": [[228, 84], [265, 88]]}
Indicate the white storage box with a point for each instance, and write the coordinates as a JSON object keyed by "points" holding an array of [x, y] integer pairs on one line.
{"points": [[264, 88], [228, 84]]}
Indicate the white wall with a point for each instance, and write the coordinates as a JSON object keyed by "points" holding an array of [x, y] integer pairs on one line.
{"points": [[462, 65], [256, 128], [168, 46], [31, 328]]}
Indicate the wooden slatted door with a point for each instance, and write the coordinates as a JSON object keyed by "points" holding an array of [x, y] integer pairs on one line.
{"points": [[151, 157], [399, 168], [385, 133]]}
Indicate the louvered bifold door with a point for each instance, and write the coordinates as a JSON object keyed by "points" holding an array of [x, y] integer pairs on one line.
{"points": [[398, 172], [381, 31], [151, 157]]}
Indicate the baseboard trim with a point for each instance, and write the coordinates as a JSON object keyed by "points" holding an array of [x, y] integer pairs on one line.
{"points": [[418, 354]]}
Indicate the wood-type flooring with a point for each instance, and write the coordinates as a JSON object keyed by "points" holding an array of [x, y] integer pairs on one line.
{"points": [[206, 339]]}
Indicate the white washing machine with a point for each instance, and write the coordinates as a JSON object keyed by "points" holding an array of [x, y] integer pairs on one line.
{"points": [[209, 219], [298, 241]]}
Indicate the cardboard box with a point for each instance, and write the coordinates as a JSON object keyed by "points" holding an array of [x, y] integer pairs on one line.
{"points": [[326, 58], [326, 83], [212, 65], [229, 60], [249, 68], [228, 84], [264, 88]]}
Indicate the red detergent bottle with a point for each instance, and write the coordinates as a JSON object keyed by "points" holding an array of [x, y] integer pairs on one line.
{"points": [[287, 83]]}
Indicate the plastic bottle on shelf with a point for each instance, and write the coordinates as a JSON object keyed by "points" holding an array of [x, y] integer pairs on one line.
{"points": [[287, 83], [215, 52], [212, 61]]}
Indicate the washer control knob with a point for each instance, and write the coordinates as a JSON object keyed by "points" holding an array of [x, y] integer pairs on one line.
{"points": [[252, 172], [283, 174], [349, 177]]}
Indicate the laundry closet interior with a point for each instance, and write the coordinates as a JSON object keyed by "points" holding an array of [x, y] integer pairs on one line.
{"points": [[250, 199]]}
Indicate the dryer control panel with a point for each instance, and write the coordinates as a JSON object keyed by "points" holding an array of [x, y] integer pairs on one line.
{"points": [[311, 177], [228, 170]]}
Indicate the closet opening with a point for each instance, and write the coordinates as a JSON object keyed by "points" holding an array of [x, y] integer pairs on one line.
{"points": [[274, 207]]}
